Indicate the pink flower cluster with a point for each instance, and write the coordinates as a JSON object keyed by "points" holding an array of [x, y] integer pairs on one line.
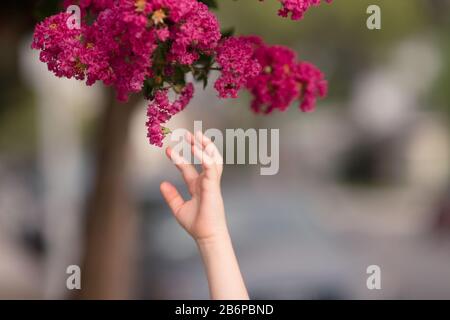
{"points": [[161, 110], [120, 38], [272, 74], [151, 45], [284, 80], [61, 48], [118, 47], [195, 30], [297, 8], [235, 57], [313, 85]]}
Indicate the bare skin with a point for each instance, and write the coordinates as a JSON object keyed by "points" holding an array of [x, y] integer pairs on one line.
{"points": [[203, 217]]}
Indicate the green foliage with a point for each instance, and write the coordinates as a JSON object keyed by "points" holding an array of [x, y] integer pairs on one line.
{"points": [[228, 32], [212, 4], [176, 79], [46, 8], [202, 69]]}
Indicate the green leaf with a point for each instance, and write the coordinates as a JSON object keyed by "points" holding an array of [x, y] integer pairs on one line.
{"points": [[166, 131], [179, 76], [229, 32], [212, 4], [44, 9], [206, 61], [205, 82], [148, 89]]}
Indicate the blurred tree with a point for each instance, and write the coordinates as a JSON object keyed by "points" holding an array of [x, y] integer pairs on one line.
{"points": [[111, 226]]}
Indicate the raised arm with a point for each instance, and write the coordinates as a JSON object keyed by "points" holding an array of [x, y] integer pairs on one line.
{"points": [[203, 217]]}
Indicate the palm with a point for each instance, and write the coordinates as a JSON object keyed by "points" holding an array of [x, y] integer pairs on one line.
{"points": [[203, 215], [199, 215]]}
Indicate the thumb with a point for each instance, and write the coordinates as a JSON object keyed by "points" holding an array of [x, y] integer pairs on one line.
{"points": [[172, 197]]}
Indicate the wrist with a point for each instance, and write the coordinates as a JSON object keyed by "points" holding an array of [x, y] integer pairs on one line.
{"points": [[214, 241]]}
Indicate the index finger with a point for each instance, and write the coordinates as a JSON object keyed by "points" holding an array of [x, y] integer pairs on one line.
{"points": [[210, 149]]}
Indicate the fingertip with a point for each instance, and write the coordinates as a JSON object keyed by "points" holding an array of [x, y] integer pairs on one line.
{"points": [[163, 186], [197, 152], [207, 139], [210, 150], [188, 136], [167, 189], [169, 152]]}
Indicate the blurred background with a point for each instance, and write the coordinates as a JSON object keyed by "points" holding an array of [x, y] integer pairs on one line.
{"points": [[364, 180]]}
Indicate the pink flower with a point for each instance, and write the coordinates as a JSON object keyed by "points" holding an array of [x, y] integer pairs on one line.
{"points": [[313, 85], [163, 34], [283, 80], [235, 57], [117, 47], [297, 8], [195, 30], [61, 48], [151, 45], [161, 110], [120, 35]]}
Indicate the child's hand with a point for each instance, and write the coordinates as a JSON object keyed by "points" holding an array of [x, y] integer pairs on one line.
{"points": [[202, 216]]}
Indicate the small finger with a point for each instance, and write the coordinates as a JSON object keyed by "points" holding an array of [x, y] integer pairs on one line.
{"points": [[189, 137], [205, 160], [210, 149]]}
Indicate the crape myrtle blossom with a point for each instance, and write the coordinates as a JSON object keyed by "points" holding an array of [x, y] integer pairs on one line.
{"points": [[296, 8], [161, 110], [235, 56], [114, 49], [312, 83], [150, 46], [61, 48], [123, 39], [283, 80], [121, 36], [196, 30], [273, 74]]}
